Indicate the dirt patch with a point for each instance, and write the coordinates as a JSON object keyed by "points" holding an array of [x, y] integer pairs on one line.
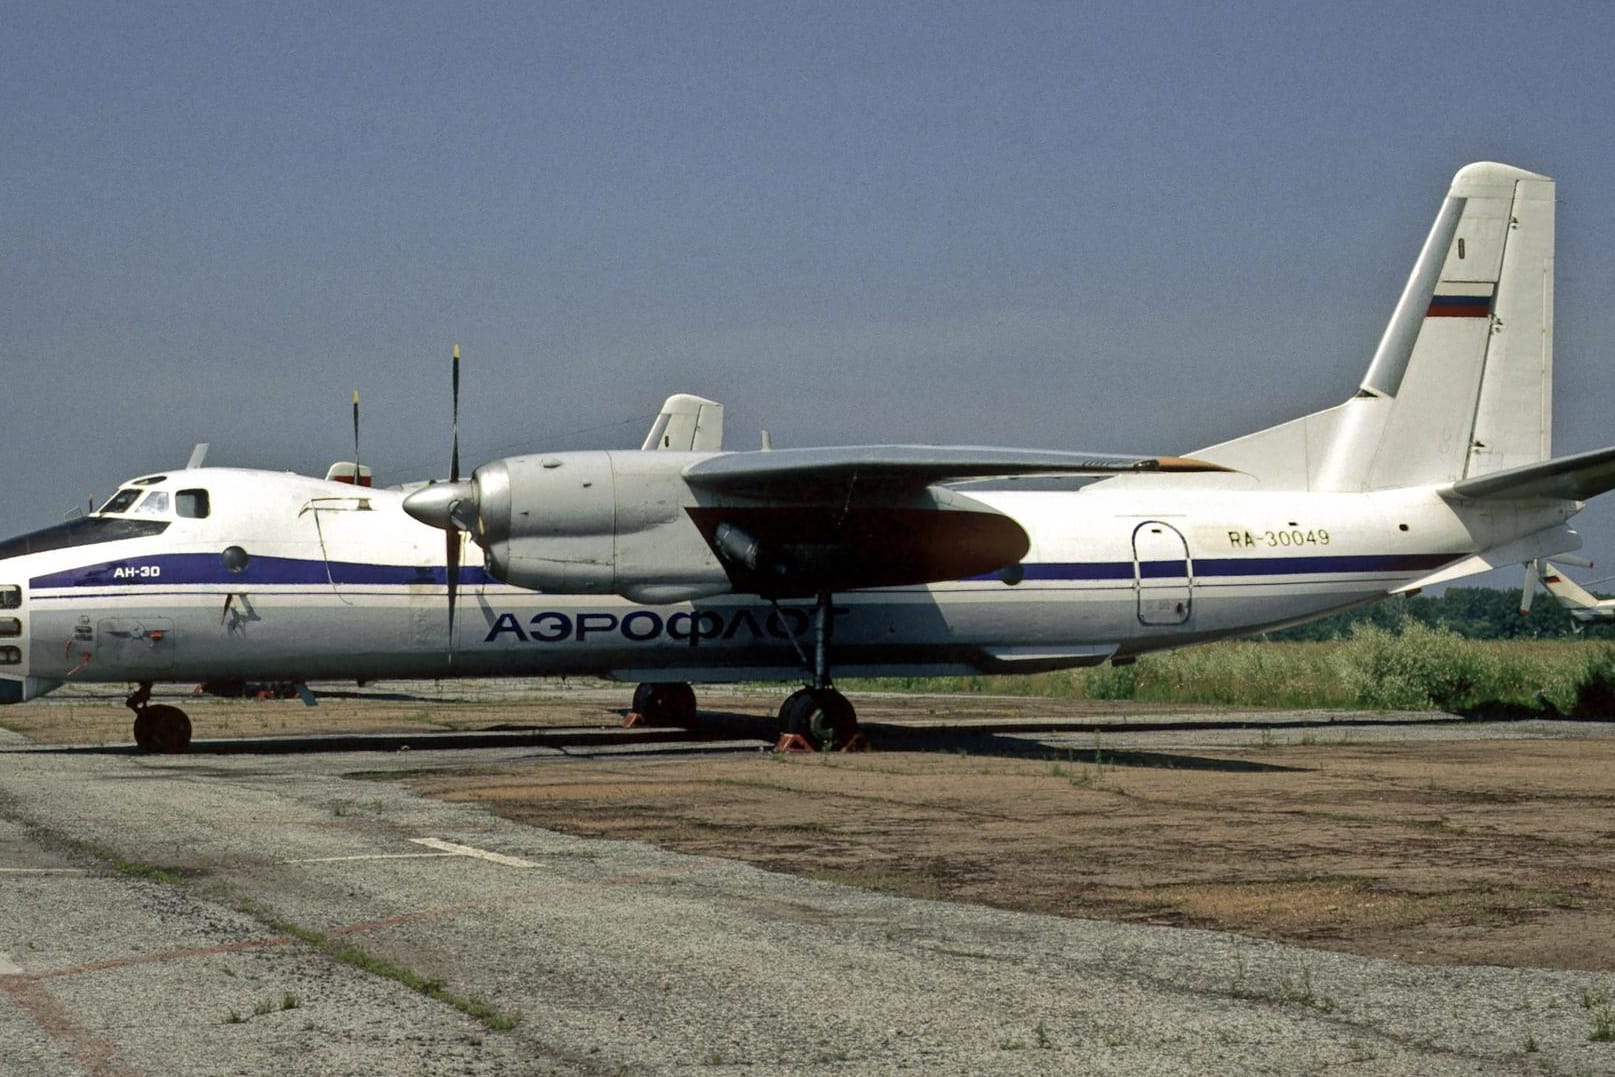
{"points": [[1484, 852]]}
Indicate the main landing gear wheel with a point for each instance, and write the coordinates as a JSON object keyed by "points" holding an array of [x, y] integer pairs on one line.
{"points": [[665, 703], [162, 728], [821, 716]]}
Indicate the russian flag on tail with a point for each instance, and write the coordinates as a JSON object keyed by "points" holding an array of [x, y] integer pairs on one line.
{"points": [[1462, 299]]}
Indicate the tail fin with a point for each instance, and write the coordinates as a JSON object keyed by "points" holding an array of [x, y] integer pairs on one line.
{"points": [[687, 424], [1581, 604], [1461, 383]]}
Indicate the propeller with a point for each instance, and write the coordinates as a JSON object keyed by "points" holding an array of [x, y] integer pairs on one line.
{"points": [[357, 470], [451, 505]]}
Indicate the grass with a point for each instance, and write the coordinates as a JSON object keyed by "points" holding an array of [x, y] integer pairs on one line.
{"points": [[1600, 1006], [132, 868], [490, 1017], [1414, 668]]}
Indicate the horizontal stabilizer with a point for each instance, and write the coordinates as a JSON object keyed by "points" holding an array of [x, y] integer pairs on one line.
{"points": [[1549, 542], [810, 472], [1568, 478]]}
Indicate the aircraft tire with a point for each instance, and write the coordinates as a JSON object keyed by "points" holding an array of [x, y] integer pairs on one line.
{"points": [[821, 716], [162, 729], [666, 703]]}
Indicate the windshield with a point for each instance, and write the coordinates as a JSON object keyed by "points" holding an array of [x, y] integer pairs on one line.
{"points": [[120, 501], [153, 504]]}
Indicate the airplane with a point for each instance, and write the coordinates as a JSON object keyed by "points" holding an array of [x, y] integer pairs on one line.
{"points": [[1583, 606], [681, 563]]}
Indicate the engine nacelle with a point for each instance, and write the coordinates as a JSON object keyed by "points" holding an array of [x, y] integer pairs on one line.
{"points": [[595, 523]]}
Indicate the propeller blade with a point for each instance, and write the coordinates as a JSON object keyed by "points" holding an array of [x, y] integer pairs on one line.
{"points": [[454, 422], [1529, 591], [451, 562], [357, 470]]}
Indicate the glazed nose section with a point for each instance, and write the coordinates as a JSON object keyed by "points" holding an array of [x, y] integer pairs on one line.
{"points": [[13, 646]]}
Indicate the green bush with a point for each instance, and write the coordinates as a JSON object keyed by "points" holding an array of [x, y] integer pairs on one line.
{"points": [[1410, 666], [1110, 682], [1417, 669]]}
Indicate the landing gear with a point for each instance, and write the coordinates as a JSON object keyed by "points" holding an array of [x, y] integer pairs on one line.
{"points": [[665, 703], [819, 714], [159, 728]]}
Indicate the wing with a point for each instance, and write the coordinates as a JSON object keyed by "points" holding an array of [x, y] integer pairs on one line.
{"points": [[797, 473], [804, 521]]}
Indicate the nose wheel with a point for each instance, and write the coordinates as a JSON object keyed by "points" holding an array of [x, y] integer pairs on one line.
{"points": [[158, 727]]}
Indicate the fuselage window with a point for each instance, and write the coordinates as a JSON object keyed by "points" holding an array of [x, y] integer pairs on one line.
{"points": [[153, 504], [120, 501], [10, 597], [10, 627], [10, 656], [192, 504]]}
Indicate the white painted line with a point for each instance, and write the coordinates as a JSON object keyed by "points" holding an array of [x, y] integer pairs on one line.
{"points": [[480, 854], [371, 856], [8, 967], [42, 871]]}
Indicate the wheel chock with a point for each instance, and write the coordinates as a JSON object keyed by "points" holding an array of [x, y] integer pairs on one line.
{"points": [[633, 720], [792, 742], [795, 742]]}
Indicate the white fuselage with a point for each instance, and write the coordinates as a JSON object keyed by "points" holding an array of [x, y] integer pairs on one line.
{"points": [[338, 583]]}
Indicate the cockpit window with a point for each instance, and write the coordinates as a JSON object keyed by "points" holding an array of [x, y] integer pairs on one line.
{"points": [[153, 504], [120, 501], [192, 504]]}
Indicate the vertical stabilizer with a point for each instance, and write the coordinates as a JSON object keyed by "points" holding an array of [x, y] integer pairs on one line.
{"points": [[1461, 382], [1475, 393]]}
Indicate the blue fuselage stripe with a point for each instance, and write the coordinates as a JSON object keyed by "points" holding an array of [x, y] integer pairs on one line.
{"points": [[190, 569], [1210, 567], [182, 570]]}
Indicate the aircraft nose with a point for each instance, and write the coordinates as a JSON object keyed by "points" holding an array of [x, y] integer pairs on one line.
{"points": [[13, 646]]}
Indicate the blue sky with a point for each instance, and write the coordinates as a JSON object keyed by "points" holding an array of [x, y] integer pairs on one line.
{"points": [[1104, 227]]}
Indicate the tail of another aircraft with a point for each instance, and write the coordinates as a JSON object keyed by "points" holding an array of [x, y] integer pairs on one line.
{"points": [[1580, 603], [1461, 384]]}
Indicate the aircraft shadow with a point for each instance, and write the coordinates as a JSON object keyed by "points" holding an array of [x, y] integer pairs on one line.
{"points": [[997, 743]]}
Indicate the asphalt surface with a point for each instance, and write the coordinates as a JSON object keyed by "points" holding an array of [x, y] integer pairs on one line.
{"points": [[271, 913]]}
